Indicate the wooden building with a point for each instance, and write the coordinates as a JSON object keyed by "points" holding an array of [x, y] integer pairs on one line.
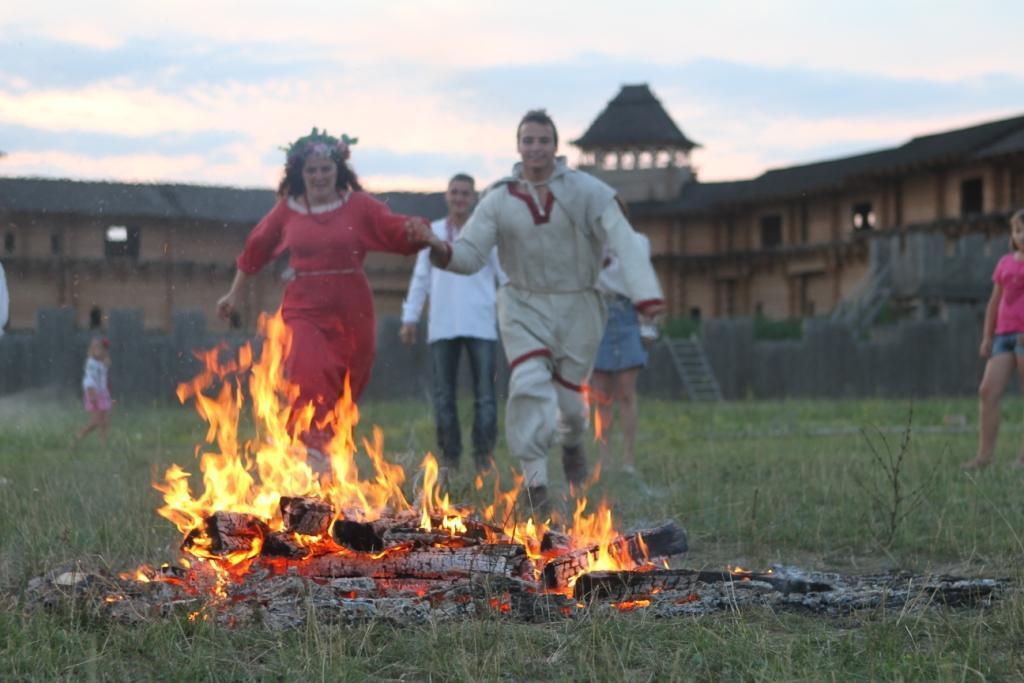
{"points": [[791, 242], [794, 241], [93, 246]]}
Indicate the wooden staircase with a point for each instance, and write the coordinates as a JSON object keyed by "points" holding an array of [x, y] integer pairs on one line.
{"points": [[693, 369]]}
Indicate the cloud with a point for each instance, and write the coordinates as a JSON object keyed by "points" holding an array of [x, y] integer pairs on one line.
{"points": [[20, 138], [735, 89], [165, 63]]}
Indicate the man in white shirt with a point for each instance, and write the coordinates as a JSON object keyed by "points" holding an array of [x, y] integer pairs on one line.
{"points": [[4, 300], [462, 316]]}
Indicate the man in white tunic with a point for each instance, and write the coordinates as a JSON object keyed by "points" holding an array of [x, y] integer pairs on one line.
{"points": [[551, 225], [462, 316]]}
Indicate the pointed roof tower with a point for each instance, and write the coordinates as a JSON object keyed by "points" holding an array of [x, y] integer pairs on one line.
{"points": [[636, 147], [635, 118]]}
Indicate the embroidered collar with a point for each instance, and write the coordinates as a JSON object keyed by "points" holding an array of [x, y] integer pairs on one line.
{"points": [[541, 215], [301, 206]]}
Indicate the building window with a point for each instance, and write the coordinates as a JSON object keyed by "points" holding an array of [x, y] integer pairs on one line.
{"points": [[55, 244], [95, 318], [771, 231], [863, 217], [971, 197], [695, 313], [121, 240], [8, 242]]}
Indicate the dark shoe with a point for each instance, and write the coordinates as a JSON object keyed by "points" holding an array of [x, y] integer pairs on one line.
{"points": [[574, 464], [484, 463], [536, 503]]}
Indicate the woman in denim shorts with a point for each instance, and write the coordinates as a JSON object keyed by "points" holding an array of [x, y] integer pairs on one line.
{"points": [[1002, 343], [623, 352]]}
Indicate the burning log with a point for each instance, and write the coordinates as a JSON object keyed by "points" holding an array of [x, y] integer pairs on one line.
{"points": [[361, 536], [306, 516], [228, 532], [432, 562], [399, 536], [663, 541], [628, 585], [283, 544], [386, 532], [555, 541]]}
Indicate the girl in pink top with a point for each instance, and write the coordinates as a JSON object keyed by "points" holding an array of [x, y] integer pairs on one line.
{"points": [[1002, 343]]}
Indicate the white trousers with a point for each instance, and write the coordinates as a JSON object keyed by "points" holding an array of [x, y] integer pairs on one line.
{"points": [[538, 408]]}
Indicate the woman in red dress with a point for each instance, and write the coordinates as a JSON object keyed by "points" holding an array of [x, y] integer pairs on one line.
{"points": [[328, 224]]}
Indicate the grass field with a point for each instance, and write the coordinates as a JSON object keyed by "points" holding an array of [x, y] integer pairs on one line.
{"points": [[754, 484]]}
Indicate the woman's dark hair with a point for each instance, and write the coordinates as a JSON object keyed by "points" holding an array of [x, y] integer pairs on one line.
{"points": [[537, 116], [292, 184]]}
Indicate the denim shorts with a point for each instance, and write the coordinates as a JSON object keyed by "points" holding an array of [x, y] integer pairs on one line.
{"points": [[1005, 343], [621, 347]]}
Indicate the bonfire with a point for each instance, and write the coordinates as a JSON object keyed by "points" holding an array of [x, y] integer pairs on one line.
{"points": [[274, 536]]}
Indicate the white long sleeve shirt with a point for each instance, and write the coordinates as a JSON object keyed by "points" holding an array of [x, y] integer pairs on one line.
{"points": [[460, 305], [5, 302]]}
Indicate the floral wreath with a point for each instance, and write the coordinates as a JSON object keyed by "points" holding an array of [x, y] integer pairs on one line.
{"points": [[320, 143]]}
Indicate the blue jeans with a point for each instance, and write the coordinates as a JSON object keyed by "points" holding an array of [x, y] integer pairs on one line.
{"points": [[444, 355]]}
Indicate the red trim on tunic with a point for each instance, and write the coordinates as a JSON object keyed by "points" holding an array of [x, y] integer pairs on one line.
{"points": [[642, 306], [527, 356], [567, 384], [538, 217]]}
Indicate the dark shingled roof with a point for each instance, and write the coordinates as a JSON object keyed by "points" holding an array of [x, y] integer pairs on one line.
{"points": [[988, 139], [634, 118], [199, 202]]}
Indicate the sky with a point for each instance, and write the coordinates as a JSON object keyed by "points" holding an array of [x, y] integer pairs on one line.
{"points": [[207, 92]]}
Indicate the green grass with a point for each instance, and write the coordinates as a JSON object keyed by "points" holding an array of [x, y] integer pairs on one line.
{"points": [[754, 484]]}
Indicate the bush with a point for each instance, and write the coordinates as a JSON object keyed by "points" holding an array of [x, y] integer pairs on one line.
{"points": [[766, 329], [681, 328]]}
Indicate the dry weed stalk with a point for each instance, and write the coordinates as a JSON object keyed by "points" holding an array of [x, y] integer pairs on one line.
{"points": [[892, 495]]}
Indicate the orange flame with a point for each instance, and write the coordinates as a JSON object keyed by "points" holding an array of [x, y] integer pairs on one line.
{"points": [[248, 471], [250, 477]]}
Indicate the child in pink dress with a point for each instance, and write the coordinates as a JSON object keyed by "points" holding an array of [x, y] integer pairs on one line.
{"points": [[1002, 343], [96, 393]]}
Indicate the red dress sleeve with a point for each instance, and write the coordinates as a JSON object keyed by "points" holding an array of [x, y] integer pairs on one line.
{"points": [[386, 230], [262, 243]]}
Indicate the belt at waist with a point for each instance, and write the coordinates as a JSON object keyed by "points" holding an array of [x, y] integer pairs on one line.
{"points": [[540, 290], [337, 271]]}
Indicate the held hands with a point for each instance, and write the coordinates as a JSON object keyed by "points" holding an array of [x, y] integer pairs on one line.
{"points": [[418, 231], [407, 333]]}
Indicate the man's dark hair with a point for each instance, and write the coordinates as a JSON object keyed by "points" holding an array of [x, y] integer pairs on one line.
{"points": [[462, 178], [537, 116]]}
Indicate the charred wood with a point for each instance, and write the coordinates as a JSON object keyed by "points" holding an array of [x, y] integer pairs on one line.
{"points": [[228, 532], [432, 562], [361, 536], [306, 516], [663, 541], [283, 544]]}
